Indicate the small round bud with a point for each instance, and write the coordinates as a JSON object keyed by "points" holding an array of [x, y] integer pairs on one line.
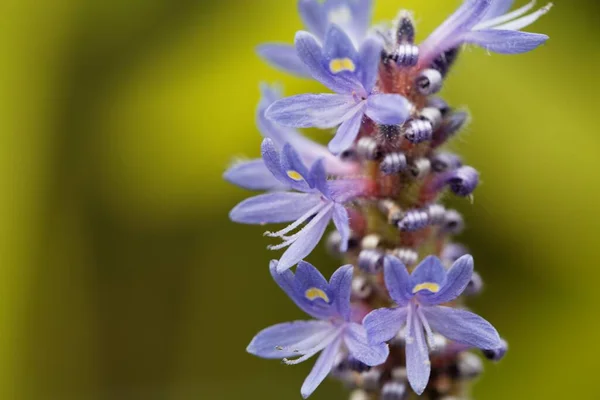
{"points": [[392, 211], [438, 103], [453, 252], [394, 391], [407, 55], [370, 261], [463, 181], [443, 162], [399, 374], [393, 163], [468, 366], [420, 168], [429, 81], [406, 255], [475, 285], [436, 213], [414, 220], [453, 222], [369, 380], [361, 287], [418, 130], [433, 115], [405, 27], [368, 149]]}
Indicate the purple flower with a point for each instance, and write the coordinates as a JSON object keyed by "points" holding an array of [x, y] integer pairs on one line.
{"points": [[331, 332], [316, 201], [254, 175], [419, 297], [352, 75], [485, 23], [352, 16]]}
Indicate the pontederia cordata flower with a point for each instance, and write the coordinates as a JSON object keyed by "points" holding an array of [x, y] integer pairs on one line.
{"points": [[332, 331], [381, 180], [351, 16], [316, 201], [419, 297], [352, 74]]}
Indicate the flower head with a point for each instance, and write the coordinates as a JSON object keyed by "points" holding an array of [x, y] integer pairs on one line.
{"points": [[316, 200], [331, 332], [352, 16], [419, 297], [349, 72], [254, 174], [487, 24]]}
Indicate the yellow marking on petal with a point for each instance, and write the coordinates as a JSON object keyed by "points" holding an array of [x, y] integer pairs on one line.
{"points": [[338, 65], [295, 175], [432, 287], [316, 293]]}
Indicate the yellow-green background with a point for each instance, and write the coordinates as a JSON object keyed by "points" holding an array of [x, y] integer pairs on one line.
{"points": [[121, 276]]}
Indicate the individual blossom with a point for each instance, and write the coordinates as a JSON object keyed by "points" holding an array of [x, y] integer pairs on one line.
{"points": [[316, 200], [352, 16], [332, 331], [254, 174], [419, 297], [488, 24], [350, 73]]}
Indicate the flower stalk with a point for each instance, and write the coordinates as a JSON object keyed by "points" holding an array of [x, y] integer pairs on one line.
{"points": [[391, 323]]}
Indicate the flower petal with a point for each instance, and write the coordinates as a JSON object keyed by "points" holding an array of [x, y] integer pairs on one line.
{"points": [[348, 131], [449, 33], [370, 354], [370, 56], [457, 279], [270, 156], [388, 109], [313, 17], [397, 280], [311, 110], [418, 366], [505, 41], [273, 208], [340, 284], [308, 239], [463, 327], [430, 270], [283, 57], [498, 7], [253, 175], [321, 369], [384, 323], [342, 224], [297, 174], [282, 340], [296, 288], [318, 178], [311, 53]]}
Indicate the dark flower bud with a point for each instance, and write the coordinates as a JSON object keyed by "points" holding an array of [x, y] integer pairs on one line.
{"points": [[361, 287], [414, 220], [453, 222], [442, 162], [368, 149], [370, 261], [452, 123], [438, 103], [418, 130], [475, 285], [429, 81], [393, 163], [462, 181], [420, 168], [453, 252]]}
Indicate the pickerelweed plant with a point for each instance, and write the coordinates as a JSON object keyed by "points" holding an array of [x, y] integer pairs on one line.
{"points": [[392, 319]]}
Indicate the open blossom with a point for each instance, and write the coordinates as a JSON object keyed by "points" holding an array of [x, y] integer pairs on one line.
{"points": [[351, 16], [254, 174], [418, 297], [350, 73], [332, 331], [488, 24], [316, 200]]}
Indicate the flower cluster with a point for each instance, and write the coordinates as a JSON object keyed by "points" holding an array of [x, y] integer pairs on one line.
{"points": [[393, 318]]}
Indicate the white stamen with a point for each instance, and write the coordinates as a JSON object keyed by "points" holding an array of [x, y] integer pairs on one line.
{"points": [[527, 20], [505, 18], [307, 227], [430, 338], [296, 223]]}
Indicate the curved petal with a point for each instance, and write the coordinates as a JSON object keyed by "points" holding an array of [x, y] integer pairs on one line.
{"points": [[308, 239], [313, 17], [457, 279], [341, 286], [370, 56], [272, 161], [449, 33], [322, 368], [296, 288], [505, 41], [311, 53], [342, 224], [388, 109], [418, 366], [348, 131], [297, 173], [311, 110], [283, 57], [318, 178], [384, 324], [273, 208], [370, 354], [499, 7], [463, 327], [288, 339], [397, 280], [253, 175], [430, 270]]}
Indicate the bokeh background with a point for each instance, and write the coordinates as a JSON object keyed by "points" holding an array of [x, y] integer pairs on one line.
{"points": [[121, 276]]}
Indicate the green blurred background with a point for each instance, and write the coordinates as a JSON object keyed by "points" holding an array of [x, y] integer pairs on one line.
{"points": [[121, 275]]}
